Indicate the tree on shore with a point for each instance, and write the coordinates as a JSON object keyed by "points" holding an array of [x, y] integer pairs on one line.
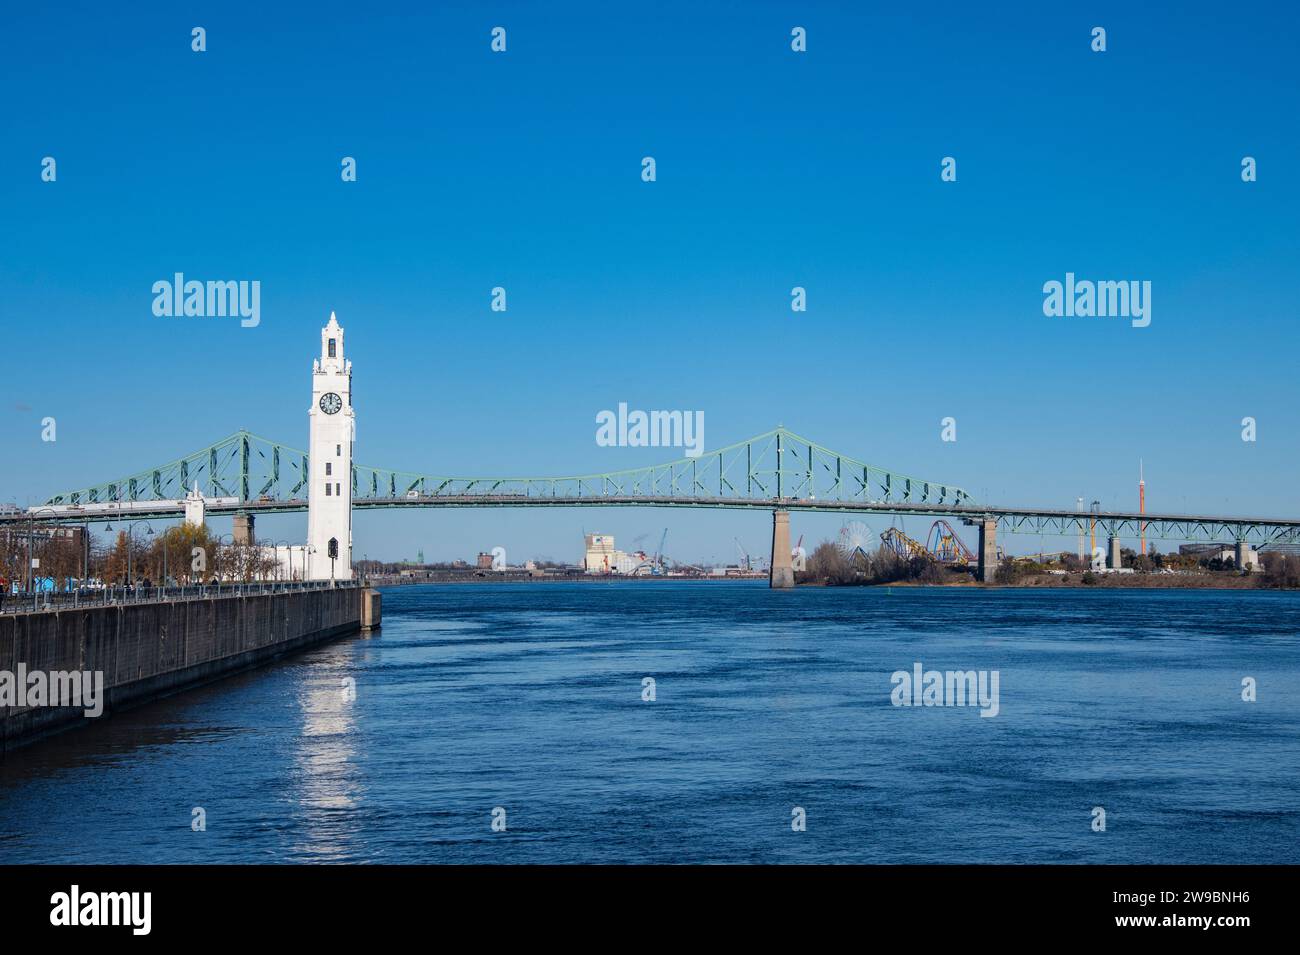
{"points": [[829, 565], [119, 561], [172, 554], [1281, 570]]}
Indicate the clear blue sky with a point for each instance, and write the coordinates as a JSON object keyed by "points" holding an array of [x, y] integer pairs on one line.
{"points": [[775, 169]]}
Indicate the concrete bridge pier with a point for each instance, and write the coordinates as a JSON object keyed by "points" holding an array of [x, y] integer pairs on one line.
{"points": [[988, 550], [243, 529], [782, 574], [371, 609], [1113, 560]]}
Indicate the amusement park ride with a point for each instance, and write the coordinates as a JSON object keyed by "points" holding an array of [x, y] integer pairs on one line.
{"points": [[942, 545]]}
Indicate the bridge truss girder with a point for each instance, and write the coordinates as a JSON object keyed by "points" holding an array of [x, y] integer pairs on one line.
{"points": [[242, 465], [1133, 526], [775, 466]]}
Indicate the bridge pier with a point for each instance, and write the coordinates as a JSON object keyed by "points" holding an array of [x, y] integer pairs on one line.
{"points": [[988, 549], [243, 531], [1114, 560], [782, 573]]}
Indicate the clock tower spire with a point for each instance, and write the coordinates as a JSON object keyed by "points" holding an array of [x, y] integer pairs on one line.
{"points": [[329, 482]]}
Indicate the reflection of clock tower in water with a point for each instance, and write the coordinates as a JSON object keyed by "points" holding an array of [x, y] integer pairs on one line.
{"points": [[333, 428]]}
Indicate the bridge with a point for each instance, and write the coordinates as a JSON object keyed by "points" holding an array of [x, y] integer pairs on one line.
{"points": [[778, 471]]}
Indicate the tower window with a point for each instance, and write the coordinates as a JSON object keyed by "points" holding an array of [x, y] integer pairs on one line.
{"points": [[327, 489], [337, 491], [338, 450], [329, 468], [332, 349]]}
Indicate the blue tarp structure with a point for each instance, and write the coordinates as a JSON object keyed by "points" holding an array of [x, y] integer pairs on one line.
{"points": [[42, 585]]}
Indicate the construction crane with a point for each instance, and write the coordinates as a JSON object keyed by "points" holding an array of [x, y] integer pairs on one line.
{"points": [[659, 555], [743, 553]]}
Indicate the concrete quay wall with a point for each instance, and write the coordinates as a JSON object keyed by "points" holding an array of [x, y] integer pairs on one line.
{"points": [[148, 650]]}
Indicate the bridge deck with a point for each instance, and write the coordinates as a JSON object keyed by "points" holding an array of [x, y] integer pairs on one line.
{"points": [[1191, 527]]}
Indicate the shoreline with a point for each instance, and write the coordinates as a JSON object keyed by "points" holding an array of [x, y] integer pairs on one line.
{"points": [[1068, 582], [522, 578], [1100, 582]]}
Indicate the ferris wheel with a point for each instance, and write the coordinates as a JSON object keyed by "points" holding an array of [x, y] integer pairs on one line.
{"points": [[855, 537]]}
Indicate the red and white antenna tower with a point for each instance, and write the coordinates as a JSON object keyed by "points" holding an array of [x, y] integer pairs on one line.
{"points": [[1142, 503]]}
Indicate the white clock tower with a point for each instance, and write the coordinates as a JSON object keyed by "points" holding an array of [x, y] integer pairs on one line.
{"points": [[333, 429]]}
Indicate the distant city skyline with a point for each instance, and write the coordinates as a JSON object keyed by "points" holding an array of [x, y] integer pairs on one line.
{"points": [[775, 170]]}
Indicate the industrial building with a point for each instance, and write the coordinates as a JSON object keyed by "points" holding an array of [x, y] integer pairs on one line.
{"points": [[1224, 552], [601, 557]]}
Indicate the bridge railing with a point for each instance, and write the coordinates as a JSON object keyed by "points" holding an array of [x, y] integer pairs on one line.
{"points": [[43, 601]]}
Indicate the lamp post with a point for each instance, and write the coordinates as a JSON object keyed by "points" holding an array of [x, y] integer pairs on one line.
{"points": [[288, 550], [219, 541], [31, 531], [278, 567], [130, 547], [166, 549], [163, 582], [130, 543]]}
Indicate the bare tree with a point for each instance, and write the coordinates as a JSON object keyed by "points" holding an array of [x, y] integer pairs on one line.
{"points": [[1281, 570]]}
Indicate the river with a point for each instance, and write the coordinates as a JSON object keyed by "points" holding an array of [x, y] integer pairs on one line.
{"points": [[526, 705]]}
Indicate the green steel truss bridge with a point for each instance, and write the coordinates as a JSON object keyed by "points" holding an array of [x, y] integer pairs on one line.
{"points": [[248, 473], [776, 471]]}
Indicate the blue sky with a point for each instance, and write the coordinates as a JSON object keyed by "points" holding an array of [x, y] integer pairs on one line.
{"points": [[775, 169]]}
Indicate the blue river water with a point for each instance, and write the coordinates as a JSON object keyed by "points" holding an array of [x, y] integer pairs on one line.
{"points": [[527, 699]]}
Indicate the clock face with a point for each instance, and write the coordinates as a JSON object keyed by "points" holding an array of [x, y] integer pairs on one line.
{"points": [[330, 403]]}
